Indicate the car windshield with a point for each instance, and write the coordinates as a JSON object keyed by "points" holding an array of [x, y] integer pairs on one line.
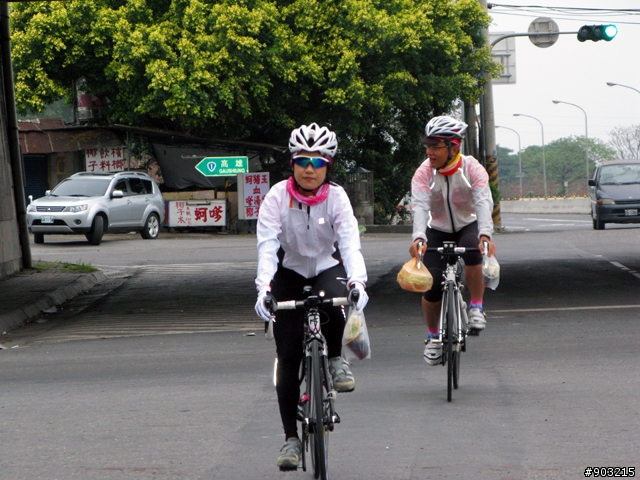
{"points": [[620, 174], [81, 187]]}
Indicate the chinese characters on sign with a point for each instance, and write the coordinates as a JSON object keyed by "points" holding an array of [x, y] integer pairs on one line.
{"points": [[104, 160], [252, 188], [203, 213], [222, 166]]}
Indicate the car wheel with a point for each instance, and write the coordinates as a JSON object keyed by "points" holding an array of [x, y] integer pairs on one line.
{"points": [[151, 228], [97, 230], [597, 224], [38, 238]]}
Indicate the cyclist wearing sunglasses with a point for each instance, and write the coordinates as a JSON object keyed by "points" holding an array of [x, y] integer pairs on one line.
{"points": [[451, 202], [300, 221]]}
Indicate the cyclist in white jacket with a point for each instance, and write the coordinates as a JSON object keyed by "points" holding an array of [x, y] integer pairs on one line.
{"points": [[300, 221], [451, 202]]}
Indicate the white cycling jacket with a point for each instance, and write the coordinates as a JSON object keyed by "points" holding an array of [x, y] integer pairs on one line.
{"points": [[452, 201], [307, 235]]}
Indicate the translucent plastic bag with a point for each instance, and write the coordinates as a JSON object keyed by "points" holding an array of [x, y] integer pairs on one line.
{"points": [[414, 276], [355, 339], [490, 271]]}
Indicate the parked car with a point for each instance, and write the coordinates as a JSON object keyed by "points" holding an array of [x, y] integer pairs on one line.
{"points": [[615, 193], [96, 203]]}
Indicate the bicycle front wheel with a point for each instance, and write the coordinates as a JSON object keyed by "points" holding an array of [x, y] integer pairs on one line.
{"points": [[319, 436], [461, 339], [450, 318], [456, 369]]}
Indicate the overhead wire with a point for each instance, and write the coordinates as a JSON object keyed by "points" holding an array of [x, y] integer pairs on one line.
{"points": [[565, 13]]}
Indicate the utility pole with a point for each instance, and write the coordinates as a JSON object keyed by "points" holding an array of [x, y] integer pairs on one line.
{"points": [[488, 133]]}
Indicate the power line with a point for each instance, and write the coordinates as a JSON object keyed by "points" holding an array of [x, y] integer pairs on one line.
{"points": [[535, 15], [630, 11]]}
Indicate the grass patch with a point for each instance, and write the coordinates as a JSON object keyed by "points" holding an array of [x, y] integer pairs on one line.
{"points": [[41, 266]]}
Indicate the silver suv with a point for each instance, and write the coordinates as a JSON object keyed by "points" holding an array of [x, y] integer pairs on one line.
{"points": [[96, 203]]}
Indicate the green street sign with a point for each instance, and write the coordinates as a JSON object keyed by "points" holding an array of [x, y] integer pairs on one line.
{"points": [[223, 166]]}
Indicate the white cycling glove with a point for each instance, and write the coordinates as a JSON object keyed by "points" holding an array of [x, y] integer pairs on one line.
{"points": [[363, 298], [261, 309]]}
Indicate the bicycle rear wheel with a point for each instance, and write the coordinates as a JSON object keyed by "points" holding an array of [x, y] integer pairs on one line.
{"points": [[449, 299], [319, 434]]}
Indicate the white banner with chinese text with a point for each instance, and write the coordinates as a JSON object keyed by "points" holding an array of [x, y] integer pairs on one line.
{"points": [[252, 188], [104, 160], [197, 213]]}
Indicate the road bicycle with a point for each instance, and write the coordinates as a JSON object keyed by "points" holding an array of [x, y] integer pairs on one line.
{"points": [[316, 410], [454, 322]]}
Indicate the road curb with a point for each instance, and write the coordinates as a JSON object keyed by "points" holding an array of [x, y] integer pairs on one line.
{"points": [[21, 315]]}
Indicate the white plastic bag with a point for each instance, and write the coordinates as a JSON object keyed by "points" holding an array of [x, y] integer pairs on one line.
{"points": [[490, 271], [355, 339]]}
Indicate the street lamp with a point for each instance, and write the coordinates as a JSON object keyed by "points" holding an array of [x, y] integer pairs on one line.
{"points": [[611, 84], [544, 161], [519, 156], [586, 132]]}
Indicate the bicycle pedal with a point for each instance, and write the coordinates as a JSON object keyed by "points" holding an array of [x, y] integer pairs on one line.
{"points": [[473, 332], [289, 469], [336, 418]]}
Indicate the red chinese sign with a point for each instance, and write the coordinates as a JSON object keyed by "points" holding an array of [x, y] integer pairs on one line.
{"points": [[203, 213], [252, 188], [104, 160]]}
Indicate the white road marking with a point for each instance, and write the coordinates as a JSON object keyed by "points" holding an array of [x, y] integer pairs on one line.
{"points": [[564, 309]]}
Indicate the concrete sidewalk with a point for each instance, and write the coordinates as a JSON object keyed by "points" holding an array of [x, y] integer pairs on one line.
{"points": [[25, 295]]}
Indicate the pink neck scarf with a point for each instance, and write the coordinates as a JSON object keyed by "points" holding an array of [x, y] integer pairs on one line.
{"points": [[320, 195], [452, 167]]}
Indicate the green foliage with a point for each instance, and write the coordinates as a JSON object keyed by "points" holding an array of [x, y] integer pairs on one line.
{"points": [[495, 193], [373, 70], [58, 266], [565, 162]]}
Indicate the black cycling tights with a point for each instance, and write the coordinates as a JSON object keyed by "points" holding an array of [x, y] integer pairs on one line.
{"points": [[288, 331], [465, 237]]}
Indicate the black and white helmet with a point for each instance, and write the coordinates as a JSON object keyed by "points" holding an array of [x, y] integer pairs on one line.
{"points": [[314, 138], [445, 127]]}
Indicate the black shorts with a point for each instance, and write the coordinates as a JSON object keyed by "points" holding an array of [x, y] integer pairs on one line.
{"points": [[465, 237]]}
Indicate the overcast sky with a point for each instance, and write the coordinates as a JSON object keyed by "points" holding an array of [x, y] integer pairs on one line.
{"points": [[570, 71]]}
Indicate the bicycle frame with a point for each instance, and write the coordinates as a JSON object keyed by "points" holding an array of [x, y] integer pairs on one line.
{"points": [[318, 412], [313, 334], [452, 330], [451, 285]]}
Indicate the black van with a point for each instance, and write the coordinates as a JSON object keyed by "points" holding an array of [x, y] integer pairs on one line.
{"points": [[615, 193]]}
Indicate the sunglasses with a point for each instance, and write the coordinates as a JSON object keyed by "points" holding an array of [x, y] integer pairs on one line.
{"points": [[435, 147], [315, 162]]}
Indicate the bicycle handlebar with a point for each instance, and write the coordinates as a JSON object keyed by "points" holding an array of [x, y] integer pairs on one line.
{"points": [[310, 302], [293, 304], [458, 250]]}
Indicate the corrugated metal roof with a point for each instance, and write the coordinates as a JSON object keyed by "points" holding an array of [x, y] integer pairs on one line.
{"points": [[52, 135]]}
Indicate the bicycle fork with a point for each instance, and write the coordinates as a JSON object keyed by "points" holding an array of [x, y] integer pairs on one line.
{"points": [[460, 312]]}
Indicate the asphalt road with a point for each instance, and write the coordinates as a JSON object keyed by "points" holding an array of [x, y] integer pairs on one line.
{"points": [[185, 391]]}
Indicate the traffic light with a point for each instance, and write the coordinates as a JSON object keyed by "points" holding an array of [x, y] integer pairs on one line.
{"points": [[597, 32]]}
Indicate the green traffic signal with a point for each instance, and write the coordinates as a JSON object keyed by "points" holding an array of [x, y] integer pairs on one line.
{"points": [[597, 32], [610, 31]]}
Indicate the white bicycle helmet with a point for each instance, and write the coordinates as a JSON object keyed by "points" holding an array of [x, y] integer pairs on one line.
{"points": [[445, 127], [314, 138]]}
